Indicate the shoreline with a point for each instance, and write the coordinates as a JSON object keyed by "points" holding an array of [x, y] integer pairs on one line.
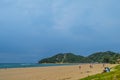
{"points": [[71, 72], [32, 65], [35, 65]]}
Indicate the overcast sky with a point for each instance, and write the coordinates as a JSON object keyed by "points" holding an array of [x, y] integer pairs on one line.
{"points": [[34, 29]]}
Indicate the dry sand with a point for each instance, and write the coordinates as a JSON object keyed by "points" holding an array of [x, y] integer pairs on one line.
{"points": [[51, 73]]}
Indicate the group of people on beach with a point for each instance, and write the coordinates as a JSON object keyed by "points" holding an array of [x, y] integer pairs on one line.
{"points": [[87, 71], [91, 66], [106, 69]]}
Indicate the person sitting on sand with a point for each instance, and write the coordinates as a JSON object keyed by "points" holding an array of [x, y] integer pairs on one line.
{"points": [[107, 69]]}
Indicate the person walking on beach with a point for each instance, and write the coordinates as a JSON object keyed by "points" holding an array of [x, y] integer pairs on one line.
{"points": [[79, 67], [91, 66], [103, 64]]}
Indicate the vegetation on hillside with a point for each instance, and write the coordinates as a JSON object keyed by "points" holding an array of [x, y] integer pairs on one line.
{"points": [[63, 58], [113, 75], [99, 57], [104, 57]]}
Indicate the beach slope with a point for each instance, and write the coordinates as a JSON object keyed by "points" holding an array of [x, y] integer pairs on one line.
{"points": [[52, 73]]}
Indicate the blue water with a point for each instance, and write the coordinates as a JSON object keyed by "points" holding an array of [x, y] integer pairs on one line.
{"points": [[23, 65]]}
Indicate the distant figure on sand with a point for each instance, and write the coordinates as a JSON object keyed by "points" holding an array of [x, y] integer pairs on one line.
{"points": [[103, 64], [79, 67], [91, 66]]}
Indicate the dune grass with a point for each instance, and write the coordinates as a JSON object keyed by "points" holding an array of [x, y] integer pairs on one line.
{"points": [[113, 75]]}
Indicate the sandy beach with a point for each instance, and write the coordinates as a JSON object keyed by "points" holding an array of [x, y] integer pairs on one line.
{"points": [[52, 73]]}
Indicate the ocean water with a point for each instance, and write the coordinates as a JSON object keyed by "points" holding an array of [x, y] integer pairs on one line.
{"points": [[24, 65]]}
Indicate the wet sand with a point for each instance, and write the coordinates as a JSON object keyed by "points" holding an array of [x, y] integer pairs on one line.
{"points": [[52, 73]]}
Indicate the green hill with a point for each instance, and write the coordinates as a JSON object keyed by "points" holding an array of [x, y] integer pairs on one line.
{"points": [[100, 57], [63, 58], [104, 57]]}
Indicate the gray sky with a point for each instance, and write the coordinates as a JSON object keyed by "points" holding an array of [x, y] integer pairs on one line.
{"points": [[34, 29]]}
